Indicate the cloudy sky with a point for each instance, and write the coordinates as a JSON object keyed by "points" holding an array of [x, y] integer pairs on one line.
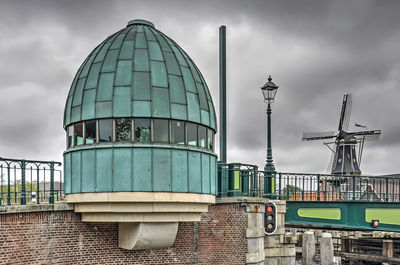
{"points": [[316, 51]]}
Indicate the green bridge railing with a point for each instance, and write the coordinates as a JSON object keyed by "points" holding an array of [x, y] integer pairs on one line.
{"points": [[30, 181], [237, 179]]}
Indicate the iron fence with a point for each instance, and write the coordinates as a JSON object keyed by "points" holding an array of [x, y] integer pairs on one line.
{"points": [[246, 180], [30, 181]]}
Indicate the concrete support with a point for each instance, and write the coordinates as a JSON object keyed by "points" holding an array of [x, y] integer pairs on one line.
{"points": [[146, 235], [255, 233], [326, 249], [308, 245]]}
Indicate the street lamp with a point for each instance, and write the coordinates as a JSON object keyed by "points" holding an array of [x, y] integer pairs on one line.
{"points": [[269, 91]]}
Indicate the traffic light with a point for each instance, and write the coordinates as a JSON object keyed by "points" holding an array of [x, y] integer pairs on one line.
{"points": [[270, 218], [375, 223]]}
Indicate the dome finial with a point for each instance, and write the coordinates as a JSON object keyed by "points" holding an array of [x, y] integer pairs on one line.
{"points": [[140, 22]]}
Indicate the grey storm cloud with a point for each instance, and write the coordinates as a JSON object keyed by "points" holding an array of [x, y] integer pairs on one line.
{"points": [[316, 51]]}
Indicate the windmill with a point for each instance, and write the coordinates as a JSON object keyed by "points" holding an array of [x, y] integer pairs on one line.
{"points": [[345, 160]]}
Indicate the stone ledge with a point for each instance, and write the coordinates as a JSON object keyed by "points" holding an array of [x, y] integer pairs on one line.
{"points": [[241, 200], [44, 207]]}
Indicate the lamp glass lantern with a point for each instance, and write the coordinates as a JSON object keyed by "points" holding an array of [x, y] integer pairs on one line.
{"points": [[269, 90]]}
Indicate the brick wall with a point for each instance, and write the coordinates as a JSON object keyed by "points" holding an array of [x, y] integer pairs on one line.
{"points": [[59, 237]]}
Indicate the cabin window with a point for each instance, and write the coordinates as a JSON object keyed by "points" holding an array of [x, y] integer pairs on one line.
{"points": [[90, 132], [160, 131], [191, 134], [142, 130], [202, 136], [105, 130], [123, 130], [70, 136], [210, 142], [78, 133], [177, 132]]}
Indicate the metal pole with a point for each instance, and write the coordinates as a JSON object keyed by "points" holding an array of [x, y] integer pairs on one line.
{"points": [[23, 188], [269, 166], [51, 198], [222, 93]]}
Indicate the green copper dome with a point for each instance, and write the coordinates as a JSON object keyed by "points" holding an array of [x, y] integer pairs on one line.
{"points": [[139, 72]]}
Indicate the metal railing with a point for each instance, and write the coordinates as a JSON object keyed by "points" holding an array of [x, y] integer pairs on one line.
{"points": [[30, 181], [246, 180]]}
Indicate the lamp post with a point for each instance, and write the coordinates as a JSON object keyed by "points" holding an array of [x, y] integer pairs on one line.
{"points": [[269, 91]]}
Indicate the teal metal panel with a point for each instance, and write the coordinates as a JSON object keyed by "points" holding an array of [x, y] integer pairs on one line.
{"points": [[122, 102], [178, 55], [75, 114], [158, 74], [141, 108], [123, 76], [78, 92], [188, 80], [102, 53], [104, 169], [142, 169], [213, 121], [193, 107], [110, 61], [179, 171], [127, 50], [205, 173], [140, 40], [76, 172], [161, 39], [67, 112], [194, 71], [202, 96], [141, 61], [122, 177], [88, 170], [213, 174], [131, 35], [141, 86], [155, 51], [172, 63], [177, 89], [118, 41], [67, 173], [194, 165], [89, 97], [149, 35], [105, 88], [179, 111], [205, 117], [104, 109], [160, 102], [86, 68], [162, 170], [93, 76]]}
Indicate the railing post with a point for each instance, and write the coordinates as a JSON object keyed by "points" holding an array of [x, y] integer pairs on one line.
{"points": [[387, 189], [51, 198], [354, 188], [318, 189], [280, 186], [8, 185], [37, 185], [23, 187]]}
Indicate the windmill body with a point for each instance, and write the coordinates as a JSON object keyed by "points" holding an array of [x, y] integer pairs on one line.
{"points": [[347, 144]]}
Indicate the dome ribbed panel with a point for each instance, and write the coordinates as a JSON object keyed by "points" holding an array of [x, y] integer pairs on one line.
{"points": [[139, 72]]}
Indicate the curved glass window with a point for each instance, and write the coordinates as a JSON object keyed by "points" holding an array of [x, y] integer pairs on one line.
{"points": [[78, 133], [105, 130], [70, 136], [160, 131], [177, 132], [142, 130], [210, 137], [90, 132], [191, 134], [202, 136], [123, 129]]}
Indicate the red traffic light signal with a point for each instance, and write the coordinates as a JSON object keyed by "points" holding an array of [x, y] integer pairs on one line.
{"points": [[270, 218]]}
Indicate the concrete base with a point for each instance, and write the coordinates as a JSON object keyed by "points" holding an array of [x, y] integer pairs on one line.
{"points": [[146, 235]]}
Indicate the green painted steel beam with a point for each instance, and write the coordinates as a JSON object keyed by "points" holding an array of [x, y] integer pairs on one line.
{"points": [[345, 215]]}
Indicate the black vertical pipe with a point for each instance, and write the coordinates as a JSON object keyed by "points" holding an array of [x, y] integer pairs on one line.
{"points": [[222, 93]]}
